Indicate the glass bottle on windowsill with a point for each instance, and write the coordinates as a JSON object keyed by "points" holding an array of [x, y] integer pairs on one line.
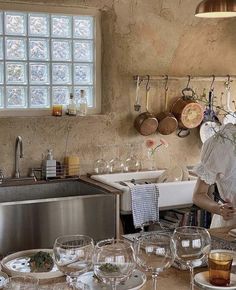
{"points": [[82, 105], [71, 108]]}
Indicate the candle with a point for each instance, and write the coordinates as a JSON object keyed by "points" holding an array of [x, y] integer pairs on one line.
{"points": [[57, 110]]}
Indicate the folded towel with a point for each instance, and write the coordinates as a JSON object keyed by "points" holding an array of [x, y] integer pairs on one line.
{"points": [[144, 204]]}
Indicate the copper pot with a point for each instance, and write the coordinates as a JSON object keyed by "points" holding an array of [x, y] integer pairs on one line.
{"points": [[146, 123], [188, 112], [167, 122]]}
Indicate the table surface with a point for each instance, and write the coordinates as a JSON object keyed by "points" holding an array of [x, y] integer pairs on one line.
{"points": [[173, 279]]}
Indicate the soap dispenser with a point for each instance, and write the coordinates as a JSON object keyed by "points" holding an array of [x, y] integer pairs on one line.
{"points": [[49, 168]]}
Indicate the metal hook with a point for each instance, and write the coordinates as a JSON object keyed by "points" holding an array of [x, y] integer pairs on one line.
{"points": [[147, 85], [227, 83], [189, 79], [212, 83], [138, 80], [166, 82]]}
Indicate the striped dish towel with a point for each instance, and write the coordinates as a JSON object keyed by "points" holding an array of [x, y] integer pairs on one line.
{"points": [[145, 206]]}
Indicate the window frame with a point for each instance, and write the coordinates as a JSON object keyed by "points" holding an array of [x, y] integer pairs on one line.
{"points": [[68, 10]]}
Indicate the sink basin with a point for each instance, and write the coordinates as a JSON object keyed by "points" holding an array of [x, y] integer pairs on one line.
{"points": [[172, 194], [34, 215], [51, 189]]}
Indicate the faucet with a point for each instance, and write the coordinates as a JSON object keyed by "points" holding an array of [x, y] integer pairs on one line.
{"points": [[18, 155]]}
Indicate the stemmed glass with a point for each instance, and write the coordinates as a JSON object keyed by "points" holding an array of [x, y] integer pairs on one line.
{"points": [[154, 252], [113, 261], [100, 165], [115, 164], [132, 162], [73, 256], [192, 246]]}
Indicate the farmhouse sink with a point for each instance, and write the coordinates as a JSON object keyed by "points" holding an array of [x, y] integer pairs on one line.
{"points": [[33, 216], [172, 194]]}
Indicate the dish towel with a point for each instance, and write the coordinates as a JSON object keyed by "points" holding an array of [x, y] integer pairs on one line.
{"points": [[145, 206]]}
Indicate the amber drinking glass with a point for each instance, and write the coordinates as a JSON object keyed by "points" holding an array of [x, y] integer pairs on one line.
{"points": [[219, 265], [57, 110]]}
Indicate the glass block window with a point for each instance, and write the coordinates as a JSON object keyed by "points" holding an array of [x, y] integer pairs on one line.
{"points": [[44, 57]]}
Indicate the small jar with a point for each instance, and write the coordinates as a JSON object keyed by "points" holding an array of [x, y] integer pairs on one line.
{"points": [[57, 110]]}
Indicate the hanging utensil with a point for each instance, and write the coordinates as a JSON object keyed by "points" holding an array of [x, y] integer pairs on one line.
{"points": [[230, 116], [187, 111], [137, 105], [167, 122], [146, 123], [210, 124]]}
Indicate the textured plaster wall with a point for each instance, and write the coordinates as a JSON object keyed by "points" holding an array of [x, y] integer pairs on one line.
{"points": [[138, 37]]}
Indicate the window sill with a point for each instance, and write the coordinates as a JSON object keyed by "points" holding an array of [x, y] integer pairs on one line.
{"points": [[41, 113]]}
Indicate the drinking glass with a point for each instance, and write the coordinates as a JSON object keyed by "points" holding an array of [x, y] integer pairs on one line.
{"points": [[154, 252], [219, 265], [22, 283], [192, 247], [100, 165], [113, 261], [132, 162], [73, 256], [115, 164]]}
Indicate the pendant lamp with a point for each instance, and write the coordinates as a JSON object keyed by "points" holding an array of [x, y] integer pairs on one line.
{"points": [[216, 9]]}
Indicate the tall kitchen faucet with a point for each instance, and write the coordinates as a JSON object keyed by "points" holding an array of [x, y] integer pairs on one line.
{"points": [[18, 155]]}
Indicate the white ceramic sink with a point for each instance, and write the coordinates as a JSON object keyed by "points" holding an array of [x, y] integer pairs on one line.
{"points": [[172, 194]]}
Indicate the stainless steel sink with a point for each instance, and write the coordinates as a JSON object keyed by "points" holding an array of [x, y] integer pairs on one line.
{"points": [[51, 189], [32, 216]]}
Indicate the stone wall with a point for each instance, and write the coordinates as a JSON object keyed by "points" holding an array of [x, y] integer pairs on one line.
{"points": [[153, 37]]}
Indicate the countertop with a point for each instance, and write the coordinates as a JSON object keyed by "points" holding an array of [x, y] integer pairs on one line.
{"points": [[171, 279]]}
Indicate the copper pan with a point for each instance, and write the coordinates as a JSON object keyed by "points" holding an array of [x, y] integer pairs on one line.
{"points": [[167, 123], [146, 123], [187, 111]]}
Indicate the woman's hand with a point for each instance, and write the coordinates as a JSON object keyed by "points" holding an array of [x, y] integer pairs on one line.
{"points": [[227, 210]]}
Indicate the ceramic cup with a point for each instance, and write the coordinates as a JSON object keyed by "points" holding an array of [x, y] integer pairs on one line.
{"points": [[219, 265]]}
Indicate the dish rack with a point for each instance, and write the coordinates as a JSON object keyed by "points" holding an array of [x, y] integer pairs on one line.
{"points": [[57, 172]]}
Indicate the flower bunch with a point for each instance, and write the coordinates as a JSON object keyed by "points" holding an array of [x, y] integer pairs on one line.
{"points": [[152, 147]]}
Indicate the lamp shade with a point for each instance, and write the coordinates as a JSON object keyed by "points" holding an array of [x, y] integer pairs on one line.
{"points": [[216, 8]]}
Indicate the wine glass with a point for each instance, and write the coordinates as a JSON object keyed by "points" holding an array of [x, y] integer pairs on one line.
{"points": [[73, 256], [115, 164], [21, 283], [154, 252], [113, 261], [192, 246], [100, 165], [132, 162]]}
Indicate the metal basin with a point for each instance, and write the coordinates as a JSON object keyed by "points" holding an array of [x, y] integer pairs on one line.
{"points": [[33, 216], [50, 189]]}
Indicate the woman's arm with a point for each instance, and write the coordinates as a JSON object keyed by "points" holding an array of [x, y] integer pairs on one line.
{"points": [[203, 200]]}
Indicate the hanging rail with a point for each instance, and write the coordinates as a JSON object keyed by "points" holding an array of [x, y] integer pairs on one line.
{"points": [[192, 78]]}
